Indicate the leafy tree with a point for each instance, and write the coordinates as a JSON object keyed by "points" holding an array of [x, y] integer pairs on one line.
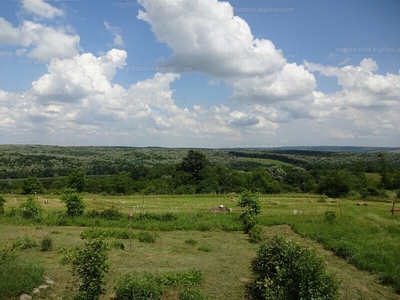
{"points": [[121, 183], [30, 209], [276, 172], [32, 185], [77, 179], [194, 163], [2, 202], [89, 263], [284, 269], [251, 202], [73, 201], [335, 184]]}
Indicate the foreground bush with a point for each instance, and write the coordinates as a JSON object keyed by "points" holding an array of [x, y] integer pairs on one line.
{"points": [[89, 264], [285, 270], [18, 276], [30, 209]]}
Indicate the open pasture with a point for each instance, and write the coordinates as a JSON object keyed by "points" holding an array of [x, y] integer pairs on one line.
{"points": [[366, 237]]}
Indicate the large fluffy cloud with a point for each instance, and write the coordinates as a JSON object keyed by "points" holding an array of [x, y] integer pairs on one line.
{"points": [[205, 36]]}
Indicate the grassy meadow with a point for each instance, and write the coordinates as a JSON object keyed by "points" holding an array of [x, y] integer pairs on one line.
{"points": [[362, 245]]}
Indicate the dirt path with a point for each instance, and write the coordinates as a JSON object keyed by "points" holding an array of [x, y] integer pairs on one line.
{"points": [[356, 284]]}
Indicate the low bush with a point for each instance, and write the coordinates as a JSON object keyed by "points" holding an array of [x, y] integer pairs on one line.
{"points": [[256, 235], [111, 214], [285, 270], [117, 245], [30, 209], [46, 244], [104, 233]]}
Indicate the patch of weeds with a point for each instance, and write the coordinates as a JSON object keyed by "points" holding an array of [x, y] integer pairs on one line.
{"points": [[147, 237], [117, 245], [22, 243], [191, 242], [205, 249]]}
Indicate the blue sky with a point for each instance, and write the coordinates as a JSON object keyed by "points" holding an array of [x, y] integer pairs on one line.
{"points": [[200, 73]]}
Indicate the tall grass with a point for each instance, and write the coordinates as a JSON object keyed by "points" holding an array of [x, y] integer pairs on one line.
{"points": [[18, 275], [371, 243]]}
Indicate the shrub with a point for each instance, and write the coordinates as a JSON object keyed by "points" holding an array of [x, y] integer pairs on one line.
{"points": [[256, 234], [46, 244], [73, 201], [251, 203], [248, 222], [89, 263], [191, 241], [330, 216], [284, 270], [146, 237], [30, 209], [22, 243], [188, 278], [398, 194]]}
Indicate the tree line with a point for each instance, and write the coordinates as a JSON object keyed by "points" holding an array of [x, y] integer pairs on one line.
{"points": [[195, 174]]}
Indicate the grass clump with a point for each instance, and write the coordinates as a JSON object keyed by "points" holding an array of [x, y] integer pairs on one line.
{"points": [[191, 242], [147, 237], [205, 249], [256, 235], [151, 286], [22, 243], [118, 245]]}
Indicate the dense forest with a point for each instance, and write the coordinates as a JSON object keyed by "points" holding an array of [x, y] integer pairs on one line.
{"points": [[119, 170]]}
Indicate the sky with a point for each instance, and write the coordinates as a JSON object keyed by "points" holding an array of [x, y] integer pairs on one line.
{"points": [[200, 73]]}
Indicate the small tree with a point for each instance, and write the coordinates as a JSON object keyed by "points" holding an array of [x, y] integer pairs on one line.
{"points": [[30, 209], [251, 202], [285, 270], [2, 202], [32, 185], [73, 201], [89, 264]]}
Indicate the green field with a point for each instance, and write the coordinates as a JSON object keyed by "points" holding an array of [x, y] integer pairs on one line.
{"points": [[367, 237]]}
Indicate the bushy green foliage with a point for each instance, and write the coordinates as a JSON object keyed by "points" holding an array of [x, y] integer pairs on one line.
{"points": [[110, 214], [147, 237], [248, 222], [73, 201], [285, 270], [30, 209], [251, 202], [32, 185], [76, 179], [17, 275], [46, 244], [335, 183], [150, 286], [22, 243], [256, 235], [330, 216], [398, 194], [90, 264]]}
